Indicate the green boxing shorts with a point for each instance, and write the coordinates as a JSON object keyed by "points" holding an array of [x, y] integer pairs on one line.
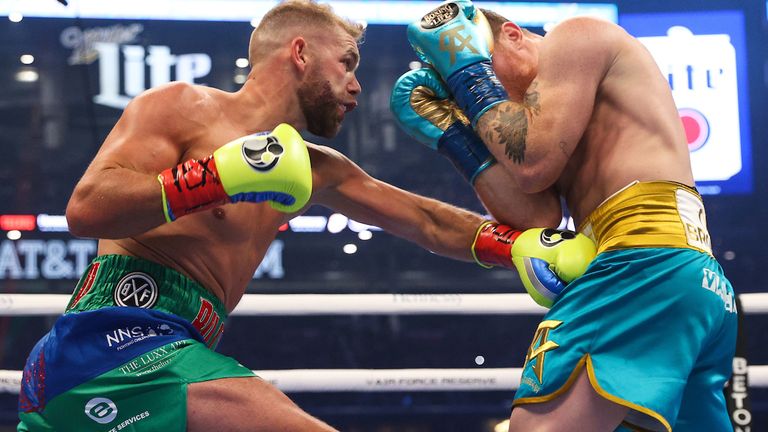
{"points": [[134, 335]]}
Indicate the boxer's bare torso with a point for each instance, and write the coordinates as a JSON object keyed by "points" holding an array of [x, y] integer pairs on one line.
{"points": [[625, 140], [598, 112], [221, 247]]}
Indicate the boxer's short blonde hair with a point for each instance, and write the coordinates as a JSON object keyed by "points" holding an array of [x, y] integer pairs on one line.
{"points": [[293, 18]]}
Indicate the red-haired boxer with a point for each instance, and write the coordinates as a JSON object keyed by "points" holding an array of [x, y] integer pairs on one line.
{"points": [[646, 336]]}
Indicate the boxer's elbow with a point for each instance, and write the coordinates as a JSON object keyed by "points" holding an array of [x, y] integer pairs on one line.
{"points": [[84, 218], [533, 177], [78, 219], [550, 219], [539, 210]]}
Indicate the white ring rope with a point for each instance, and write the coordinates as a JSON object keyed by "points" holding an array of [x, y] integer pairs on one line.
{"points": [[388, 380], [349, 304], [366, 380]]}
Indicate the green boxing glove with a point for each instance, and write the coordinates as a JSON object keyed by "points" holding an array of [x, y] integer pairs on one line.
{"points": [[546, 259], [270, 167]]}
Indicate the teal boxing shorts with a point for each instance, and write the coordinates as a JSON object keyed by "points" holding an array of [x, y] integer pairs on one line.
{"points": [[655, 329]]}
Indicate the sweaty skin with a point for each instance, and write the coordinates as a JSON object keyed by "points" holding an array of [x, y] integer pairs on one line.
{"points": [[589, 113], [118, 199], [304, 77], [221, 248], [574, 120]]}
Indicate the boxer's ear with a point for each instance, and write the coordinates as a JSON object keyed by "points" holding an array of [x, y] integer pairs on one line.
{"points": [[299, 52]]}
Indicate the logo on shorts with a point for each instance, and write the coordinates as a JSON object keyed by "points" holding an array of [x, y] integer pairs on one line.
{"points": [[441, 15], [101, 410], [552, 237], [126, 336], [540, 346], [208, 323], [136, 289], [262, 152]]}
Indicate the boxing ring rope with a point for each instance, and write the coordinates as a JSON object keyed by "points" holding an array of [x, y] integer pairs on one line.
{"points": [[366, 380], [349, 304]]}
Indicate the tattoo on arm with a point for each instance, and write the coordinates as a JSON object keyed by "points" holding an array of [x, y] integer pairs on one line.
{"points": [[511, 128], [531, 100], [508, 125]]}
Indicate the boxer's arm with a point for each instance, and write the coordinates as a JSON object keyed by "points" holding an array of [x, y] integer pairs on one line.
{"points": [[119, 196], [344, 187], [535, 139], [508, 204], [421, 106]]}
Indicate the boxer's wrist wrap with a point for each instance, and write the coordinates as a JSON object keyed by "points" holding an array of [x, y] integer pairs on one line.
{"points": [[476, 89], [493, 245], [191, 186], [466, 150]]}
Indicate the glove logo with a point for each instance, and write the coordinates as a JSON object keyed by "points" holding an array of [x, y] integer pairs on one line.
{"points": [[262, 152], [454, 42], [440, 16], [552, 237]]}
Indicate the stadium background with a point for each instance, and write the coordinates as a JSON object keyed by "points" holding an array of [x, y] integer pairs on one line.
{"points": [[52, 125]]}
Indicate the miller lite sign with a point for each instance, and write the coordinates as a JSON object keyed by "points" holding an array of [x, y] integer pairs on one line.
{"points": [[701, 70], [126, 70]]}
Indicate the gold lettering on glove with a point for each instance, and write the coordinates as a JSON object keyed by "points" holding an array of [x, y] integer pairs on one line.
{"points": [[448, 39], [440, 112], [540, 346]]}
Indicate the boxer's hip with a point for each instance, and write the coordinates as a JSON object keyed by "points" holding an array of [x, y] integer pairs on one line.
{"points": [[656, 214], [106, 369], [124, 281], [134, 334]]}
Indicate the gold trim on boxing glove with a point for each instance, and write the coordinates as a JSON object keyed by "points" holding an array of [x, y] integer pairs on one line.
{"points": [[440, 112], [474, 243]]}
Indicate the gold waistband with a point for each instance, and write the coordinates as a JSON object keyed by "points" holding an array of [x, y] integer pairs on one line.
{"points": [[650, 214]]}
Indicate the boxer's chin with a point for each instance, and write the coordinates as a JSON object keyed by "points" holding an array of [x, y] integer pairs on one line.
{"points": [[320, 108]]}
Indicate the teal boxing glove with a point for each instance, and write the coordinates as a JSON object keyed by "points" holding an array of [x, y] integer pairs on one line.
{"points": [[457, 41], [423, 108]]}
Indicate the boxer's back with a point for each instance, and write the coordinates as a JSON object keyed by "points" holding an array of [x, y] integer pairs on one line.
{"points": [[633, 134]]}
